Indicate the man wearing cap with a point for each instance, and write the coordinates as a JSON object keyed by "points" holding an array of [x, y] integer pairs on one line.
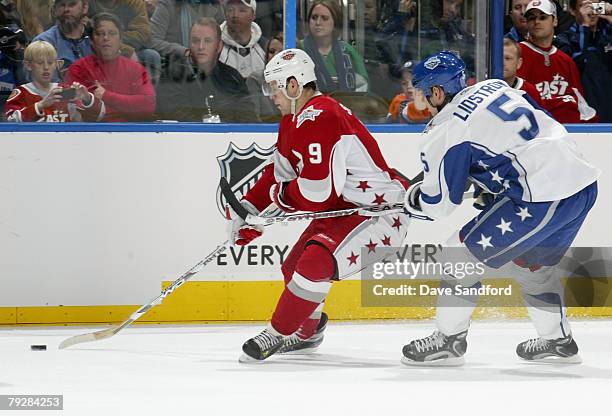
{"points": [[553, 73], [244, 45], [68, 35]]}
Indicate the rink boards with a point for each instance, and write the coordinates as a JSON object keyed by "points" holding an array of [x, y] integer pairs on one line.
{"points": [[91, 223]]}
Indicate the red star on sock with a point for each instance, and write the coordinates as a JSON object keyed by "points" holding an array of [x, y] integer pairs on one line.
{"points": [[380, 199], [371, 247], [353, 258], [397, 223], [363, 185], [386, 241]]}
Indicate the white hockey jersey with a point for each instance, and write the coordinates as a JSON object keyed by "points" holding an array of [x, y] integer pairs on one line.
{"points": [[491, 136]]}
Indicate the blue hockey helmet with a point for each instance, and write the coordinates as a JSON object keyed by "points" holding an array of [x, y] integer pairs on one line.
{"points": [[443, 69]]}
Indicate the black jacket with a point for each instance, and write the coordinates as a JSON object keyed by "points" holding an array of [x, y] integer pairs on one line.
{"points": [[186, 94]]}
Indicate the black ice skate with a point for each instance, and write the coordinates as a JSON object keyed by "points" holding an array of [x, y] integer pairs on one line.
{"points": [[262, 346], [295, 345], [560, 350], [436, 350]]}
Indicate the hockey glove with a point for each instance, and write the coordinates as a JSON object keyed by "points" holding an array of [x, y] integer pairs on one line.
{"points": [[412, 203], [241, 233], [482, 199], [276, 194]]}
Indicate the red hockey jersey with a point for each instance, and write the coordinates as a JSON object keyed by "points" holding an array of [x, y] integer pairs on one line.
{"points": [[20, 106], [556, 77], [329, 161]]}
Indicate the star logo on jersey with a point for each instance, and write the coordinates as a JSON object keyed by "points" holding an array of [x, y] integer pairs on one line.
{"points": [[495, 177], [483, 165], [363, 185], [523, 213], [353, 258], [485, 242], [505, 226], [386, 241], [308, 114], [506, 184], [379, 199], [371, 247], [397, 223]]}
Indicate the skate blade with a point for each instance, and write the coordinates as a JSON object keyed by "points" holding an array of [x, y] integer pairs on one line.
{"points": [[304, 351], [246, 359], [574, 359], [446, 362]]}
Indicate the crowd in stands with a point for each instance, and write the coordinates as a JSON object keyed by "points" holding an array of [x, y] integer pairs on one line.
{"points": [[203, 60]]}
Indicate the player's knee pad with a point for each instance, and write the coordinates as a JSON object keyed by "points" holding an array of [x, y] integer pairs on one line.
{"points": [[316, 264], [543, 280]]}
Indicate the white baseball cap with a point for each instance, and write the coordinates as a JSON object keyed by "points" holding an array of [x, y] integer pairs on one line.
{"points": [[545, 6], [249, 3]]}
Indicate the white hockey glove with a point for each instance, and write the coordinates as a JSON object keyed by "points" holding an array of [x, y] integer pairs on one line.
{"points": [[239, 232]]}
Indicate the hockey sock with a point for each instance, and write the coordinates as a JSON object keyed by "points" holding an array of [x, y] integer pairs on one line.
{"points": [[307, 289], [309, 326]]}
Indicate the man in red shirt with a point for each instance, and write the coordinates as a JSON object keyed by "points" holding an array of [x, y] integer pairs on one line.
{"points": [[552, 72]]}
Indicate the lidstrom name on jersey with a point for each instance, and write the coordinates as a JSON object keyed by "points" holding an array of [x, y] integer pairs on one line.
{"points": [[558, 86], [469, 104]]}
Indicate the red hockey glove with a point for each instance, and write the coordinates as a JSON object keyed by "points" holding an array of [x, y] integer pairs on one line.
{"points": [[239, 232]]}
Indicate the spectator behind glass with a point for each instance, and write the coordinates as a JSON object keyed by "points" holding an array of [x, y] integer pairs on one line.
{"points": [[244, 45], [275, 45], [11, 60], [338, 66], [36, 16], [551, 71], [409, 106], [589, 43], [444, 29], [69, 35], [137, 36], [513, 60], [200, 88], [122, 84], [518, 32], [264, 107], [150, 5], [380, 55], [43, 100], [171, 23]]}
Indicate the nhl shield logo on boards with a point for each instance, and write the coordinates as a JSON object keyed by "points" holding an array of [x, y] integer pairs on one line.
{"points": [[242, 168]]}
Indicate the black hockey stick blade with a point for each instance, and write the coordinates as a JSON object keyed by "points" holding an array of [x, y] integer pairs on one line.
{"points": [[231, 199]]}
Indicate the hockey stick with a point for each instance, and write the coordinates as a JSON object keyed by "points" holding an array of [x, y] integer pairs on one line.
{"points": [[107, 333], [370, 211]]}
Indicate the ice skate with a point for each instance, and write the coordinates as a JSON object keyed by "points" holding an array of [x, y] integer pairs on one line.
{"points": [[296, 345], [262, 346], [436, 350], [560, 350]]}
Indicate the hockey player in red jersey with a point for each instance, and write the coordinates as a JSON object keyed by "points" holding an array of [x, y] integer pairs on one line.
{"points": [[325, 159], [46, 101], [551, 71]]}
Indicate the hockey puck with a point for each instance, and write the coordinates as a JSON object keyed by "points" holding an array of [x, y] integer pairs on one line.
{"points": [[38, 347]]}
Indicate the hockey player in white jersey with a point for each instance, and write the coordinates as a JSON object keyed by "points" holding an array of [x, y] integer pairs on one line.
{"points": [[533, 187]]}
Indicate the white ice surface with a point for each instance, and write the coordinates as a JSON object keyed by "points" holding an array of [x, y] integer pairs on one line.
{"points": [[193, 370]]}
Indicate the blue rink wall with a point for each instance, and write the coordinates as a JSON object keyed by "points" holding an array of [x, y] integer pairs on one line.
{"points": [[96, 218]]}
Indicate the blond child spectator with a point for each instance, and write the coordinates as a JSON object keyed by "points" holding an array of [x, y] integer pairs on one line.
{"points": [[43, 100], [409, 106]]}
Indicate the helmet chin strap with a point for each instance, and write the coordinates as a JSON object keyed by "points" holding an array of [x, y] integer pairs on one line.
{"points": [[293, 99]]}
